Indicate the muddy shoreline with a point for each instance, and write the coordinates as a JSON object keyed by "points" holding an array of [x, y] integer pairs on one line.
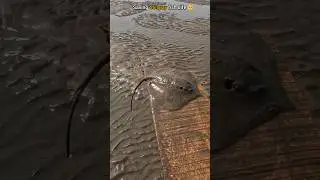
{"points": [[45, 53], [48, 47], [143, 42]]}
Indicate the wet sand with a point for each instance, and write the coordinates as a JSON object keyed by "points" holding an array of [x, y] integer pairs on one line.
{"points": [[47, 48], [142, 42]]}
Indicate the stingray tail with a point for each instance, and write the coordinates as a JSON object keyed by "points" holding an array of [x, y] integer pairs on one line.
{"points": [[135, 89], [75, 99]]}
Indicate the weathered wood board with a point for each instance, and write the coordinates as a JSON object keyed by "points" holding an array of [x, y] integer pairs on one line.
{"points": [[184, 140]]}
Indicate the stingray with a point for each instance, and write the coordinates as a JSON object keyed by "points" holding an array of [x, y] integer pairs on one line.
{"points": [[172, 88], [247, 89]]}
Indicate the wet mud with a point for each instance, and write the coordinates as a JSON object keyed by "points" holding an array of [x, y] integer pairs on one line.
{"points": [[199, 2], [169, 21], [138, 50], [146, 56], [47, 49], [134, 56], [124, 8]]}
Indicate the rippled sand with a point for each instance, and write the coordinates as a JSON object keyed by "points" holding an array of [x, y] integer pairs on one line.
{"points": [[47, 48], [140, 44], [169, 21]]}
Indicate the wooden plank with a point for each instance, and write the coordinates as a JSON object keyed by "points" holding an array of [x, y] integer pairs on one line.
{"points": [[184, 140]]}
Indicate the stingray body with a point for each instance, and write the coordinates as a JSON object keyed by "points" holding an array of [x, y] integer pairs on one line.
{"points": [[247, 87], [171, 88]]}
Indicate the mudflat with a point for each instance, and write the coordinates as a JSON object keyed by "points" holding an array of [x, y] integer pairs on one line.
{"points": [[47, 47], [46, 50], [142, 43]]}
